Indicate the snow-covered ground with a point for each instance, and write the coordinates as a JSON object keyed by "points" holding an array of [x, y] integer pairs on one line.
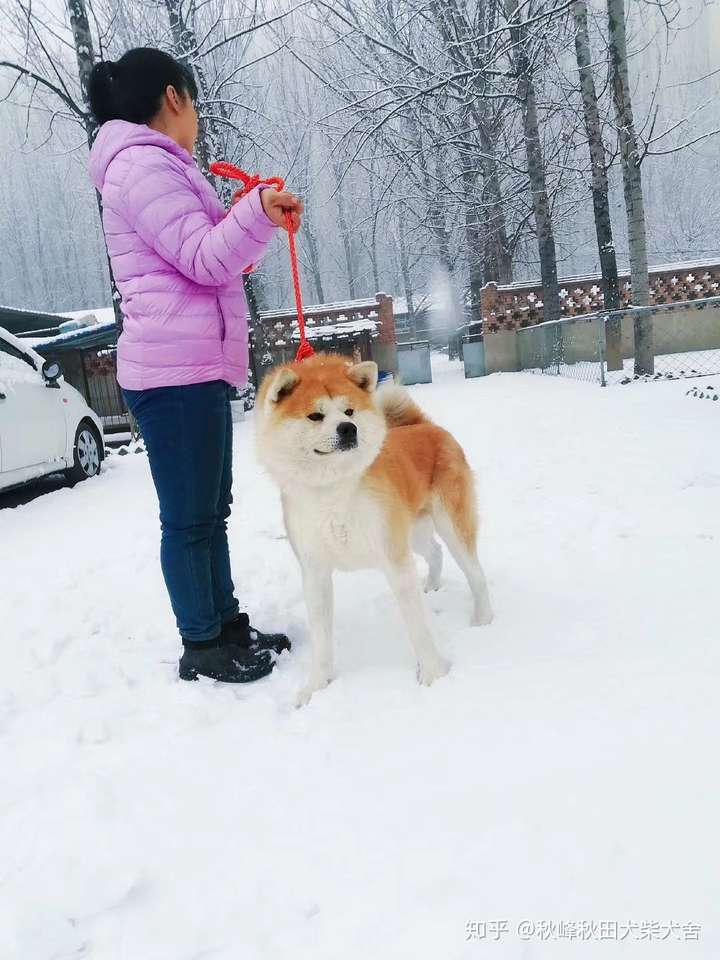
{"points": [[565, 770]]}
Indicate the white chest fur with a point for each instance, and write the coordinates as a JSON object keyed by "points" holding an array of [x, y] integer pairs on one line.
{"points": [[344, 528]]}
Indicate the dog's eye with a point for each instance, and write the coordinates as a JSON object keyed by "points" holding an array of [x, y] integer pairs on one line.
{"points": [[316, 417], [349, 413]]}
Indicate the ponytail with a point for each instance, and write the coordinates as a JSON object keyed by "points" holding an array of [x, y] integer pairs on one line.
{"points": [[133, 88], [100, 91]]}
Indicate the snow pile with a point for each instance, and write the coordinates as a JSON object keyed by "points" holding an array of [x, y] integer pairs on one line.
{"points": [[562, 771]]}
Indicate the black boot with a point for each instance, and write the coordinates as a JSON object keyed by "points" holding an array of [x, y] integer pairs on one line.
{"points": [[241, 633], [223, 661]]}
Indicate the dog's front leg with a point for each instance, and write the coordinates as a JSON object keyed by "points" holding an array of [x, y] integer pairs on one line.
{"points": [[317, 584], [405, 584]]}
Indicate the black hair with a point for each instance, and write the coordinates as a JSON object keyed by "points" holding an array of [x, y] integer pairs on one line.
{"points": [[133, 87]]}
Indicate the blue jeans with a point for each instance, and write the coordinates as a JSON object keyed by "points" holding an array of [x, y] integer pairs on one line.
{"points": [[188, 436]]}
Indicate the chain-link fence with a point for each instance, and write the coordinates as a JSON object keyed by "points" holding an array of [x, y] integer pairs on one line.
{"points": [[685, 341], [574, 347], [600, 348]]}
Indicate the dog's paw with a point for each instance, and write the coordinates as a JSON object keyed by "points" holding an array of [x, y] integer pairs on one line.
{"points": [[431, 584], [431, 670], [305, 694], [481, 618]]}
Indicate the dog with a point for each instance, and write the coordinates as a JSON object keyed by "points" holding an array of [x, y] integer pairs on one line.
{"points": [[366, 480]]}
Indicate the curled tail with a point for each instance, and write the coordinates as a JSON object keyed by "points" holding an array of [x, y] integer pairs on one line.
{"points": [[399, 410]]}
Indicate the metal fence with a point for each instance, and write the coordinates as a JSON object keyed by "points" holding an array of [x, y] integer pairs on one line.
{"points": [[600, 348], [574, 347]]}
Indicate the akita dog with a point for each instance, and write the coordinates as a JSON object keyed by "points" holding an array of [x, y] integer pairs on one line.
{"points": [[366, 480]]}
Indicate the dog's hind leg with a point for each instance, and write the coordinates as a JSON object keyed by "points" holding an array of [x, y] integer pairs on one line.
{"points": [[425, 543], [317, 584], [405, 584], [458, 529]]}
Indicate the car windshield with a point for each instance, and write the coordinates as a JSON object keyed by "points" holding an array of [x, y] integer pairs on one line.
{"points": [[15, 366]]}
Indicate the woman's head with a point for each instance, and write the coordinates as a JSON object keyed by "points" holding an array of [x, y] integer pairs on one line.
{"points": [[147, 86]]}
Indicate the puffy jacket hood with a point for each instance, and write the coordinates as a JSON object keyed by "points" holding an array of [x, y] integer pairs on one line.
{"points": [[118, 135]]}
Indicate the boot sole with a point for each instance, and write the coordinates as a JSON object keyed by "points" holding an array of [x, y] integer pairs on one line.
{"points": [[190, 674]]}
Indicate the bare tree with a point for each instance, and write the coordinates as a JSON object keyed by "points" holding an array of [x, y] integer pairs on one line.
{"points": [[631, 159], [599, 182], [524, 70]]}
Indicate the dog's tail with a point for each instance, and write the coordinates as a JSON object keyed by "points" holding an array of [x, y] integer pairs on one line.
{"points": [[399, 410]]}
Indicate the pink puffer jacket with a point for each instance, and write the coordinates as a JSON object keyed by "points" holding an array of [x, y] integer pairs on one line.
{"points": [[178, 258]]}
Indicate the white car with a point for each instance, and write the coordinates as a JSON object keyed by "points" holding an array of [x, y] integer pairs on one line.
{"points": [[45, 425]]}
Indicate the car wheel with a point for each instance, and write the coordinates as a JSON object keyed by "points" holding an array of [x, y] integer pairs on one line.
{"points": [[86, 454]]}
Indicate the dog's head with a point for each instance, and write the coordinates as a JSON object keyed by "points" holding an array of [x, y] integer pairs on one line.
{"points": [[317, 423]]}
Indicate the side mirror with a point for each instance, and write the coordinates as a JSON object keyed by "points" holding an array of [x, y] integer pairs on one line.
{"points": [[51, 372]]}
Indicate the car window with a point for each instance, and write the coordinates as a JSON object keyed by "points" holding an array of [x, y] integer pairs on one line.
{"points": [[12, 351]]}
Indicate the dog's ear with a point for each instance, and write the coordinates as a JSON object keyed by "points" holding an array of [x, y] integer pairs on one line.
{"points": [[282, 384], [365, 375]]}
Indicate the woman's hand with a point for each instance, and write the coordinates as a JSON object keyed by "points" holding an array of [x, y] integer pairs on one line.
{"points": [[277, 202]]}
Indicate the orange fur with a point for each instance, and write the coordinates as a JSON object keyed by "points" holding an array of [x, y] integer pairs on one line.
{"points": [[321, 375], [417, 465]]}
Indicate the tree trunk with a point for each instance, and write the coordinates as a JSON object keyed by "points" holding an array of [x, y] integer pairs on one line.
{"points": [[459, 29], [599, 185], [345, 235], [405, 270], [435, 204], [85, 56], [313, 251], [632, 185], [374, 212], [473, 240], [497, 264], [536, 164], [184, 42]]}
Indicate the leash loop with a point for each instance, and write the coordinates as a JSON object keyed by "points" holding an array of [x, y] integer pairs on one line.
{"points": [[249, 181]]}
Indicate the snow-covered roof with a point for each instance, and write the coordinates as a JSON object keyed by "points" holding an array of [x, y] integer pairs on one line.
{"points": [[347, 305], [347, 328], [587, 278], [80, 335], [29, 313]]}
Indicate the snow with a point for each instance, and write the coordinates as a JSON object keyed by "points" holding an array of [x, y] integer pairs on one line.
{"points": [[98, 320], [69, 335], [347, 328], [314, 308], [14, 371], [562, 771], [101, 314], [682, 268]]}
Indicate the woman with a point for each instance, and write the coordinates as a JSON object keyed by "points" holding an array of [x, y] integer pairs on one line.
{"points": [[178, 258]]}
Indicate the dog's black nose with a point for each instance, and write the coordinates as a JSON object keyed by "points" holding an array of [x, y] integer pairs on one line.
{"points": [[347, 434]]}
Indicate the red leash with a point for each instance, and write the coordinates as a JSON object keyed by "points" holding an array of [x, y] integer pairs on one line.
{"points": [[230, 172]]}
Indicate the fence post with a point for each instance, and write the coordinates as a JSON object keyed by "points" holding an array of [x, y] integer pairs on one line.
{"points": [[488, 301], [613, 341], [384, 348], [602, 341]]}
